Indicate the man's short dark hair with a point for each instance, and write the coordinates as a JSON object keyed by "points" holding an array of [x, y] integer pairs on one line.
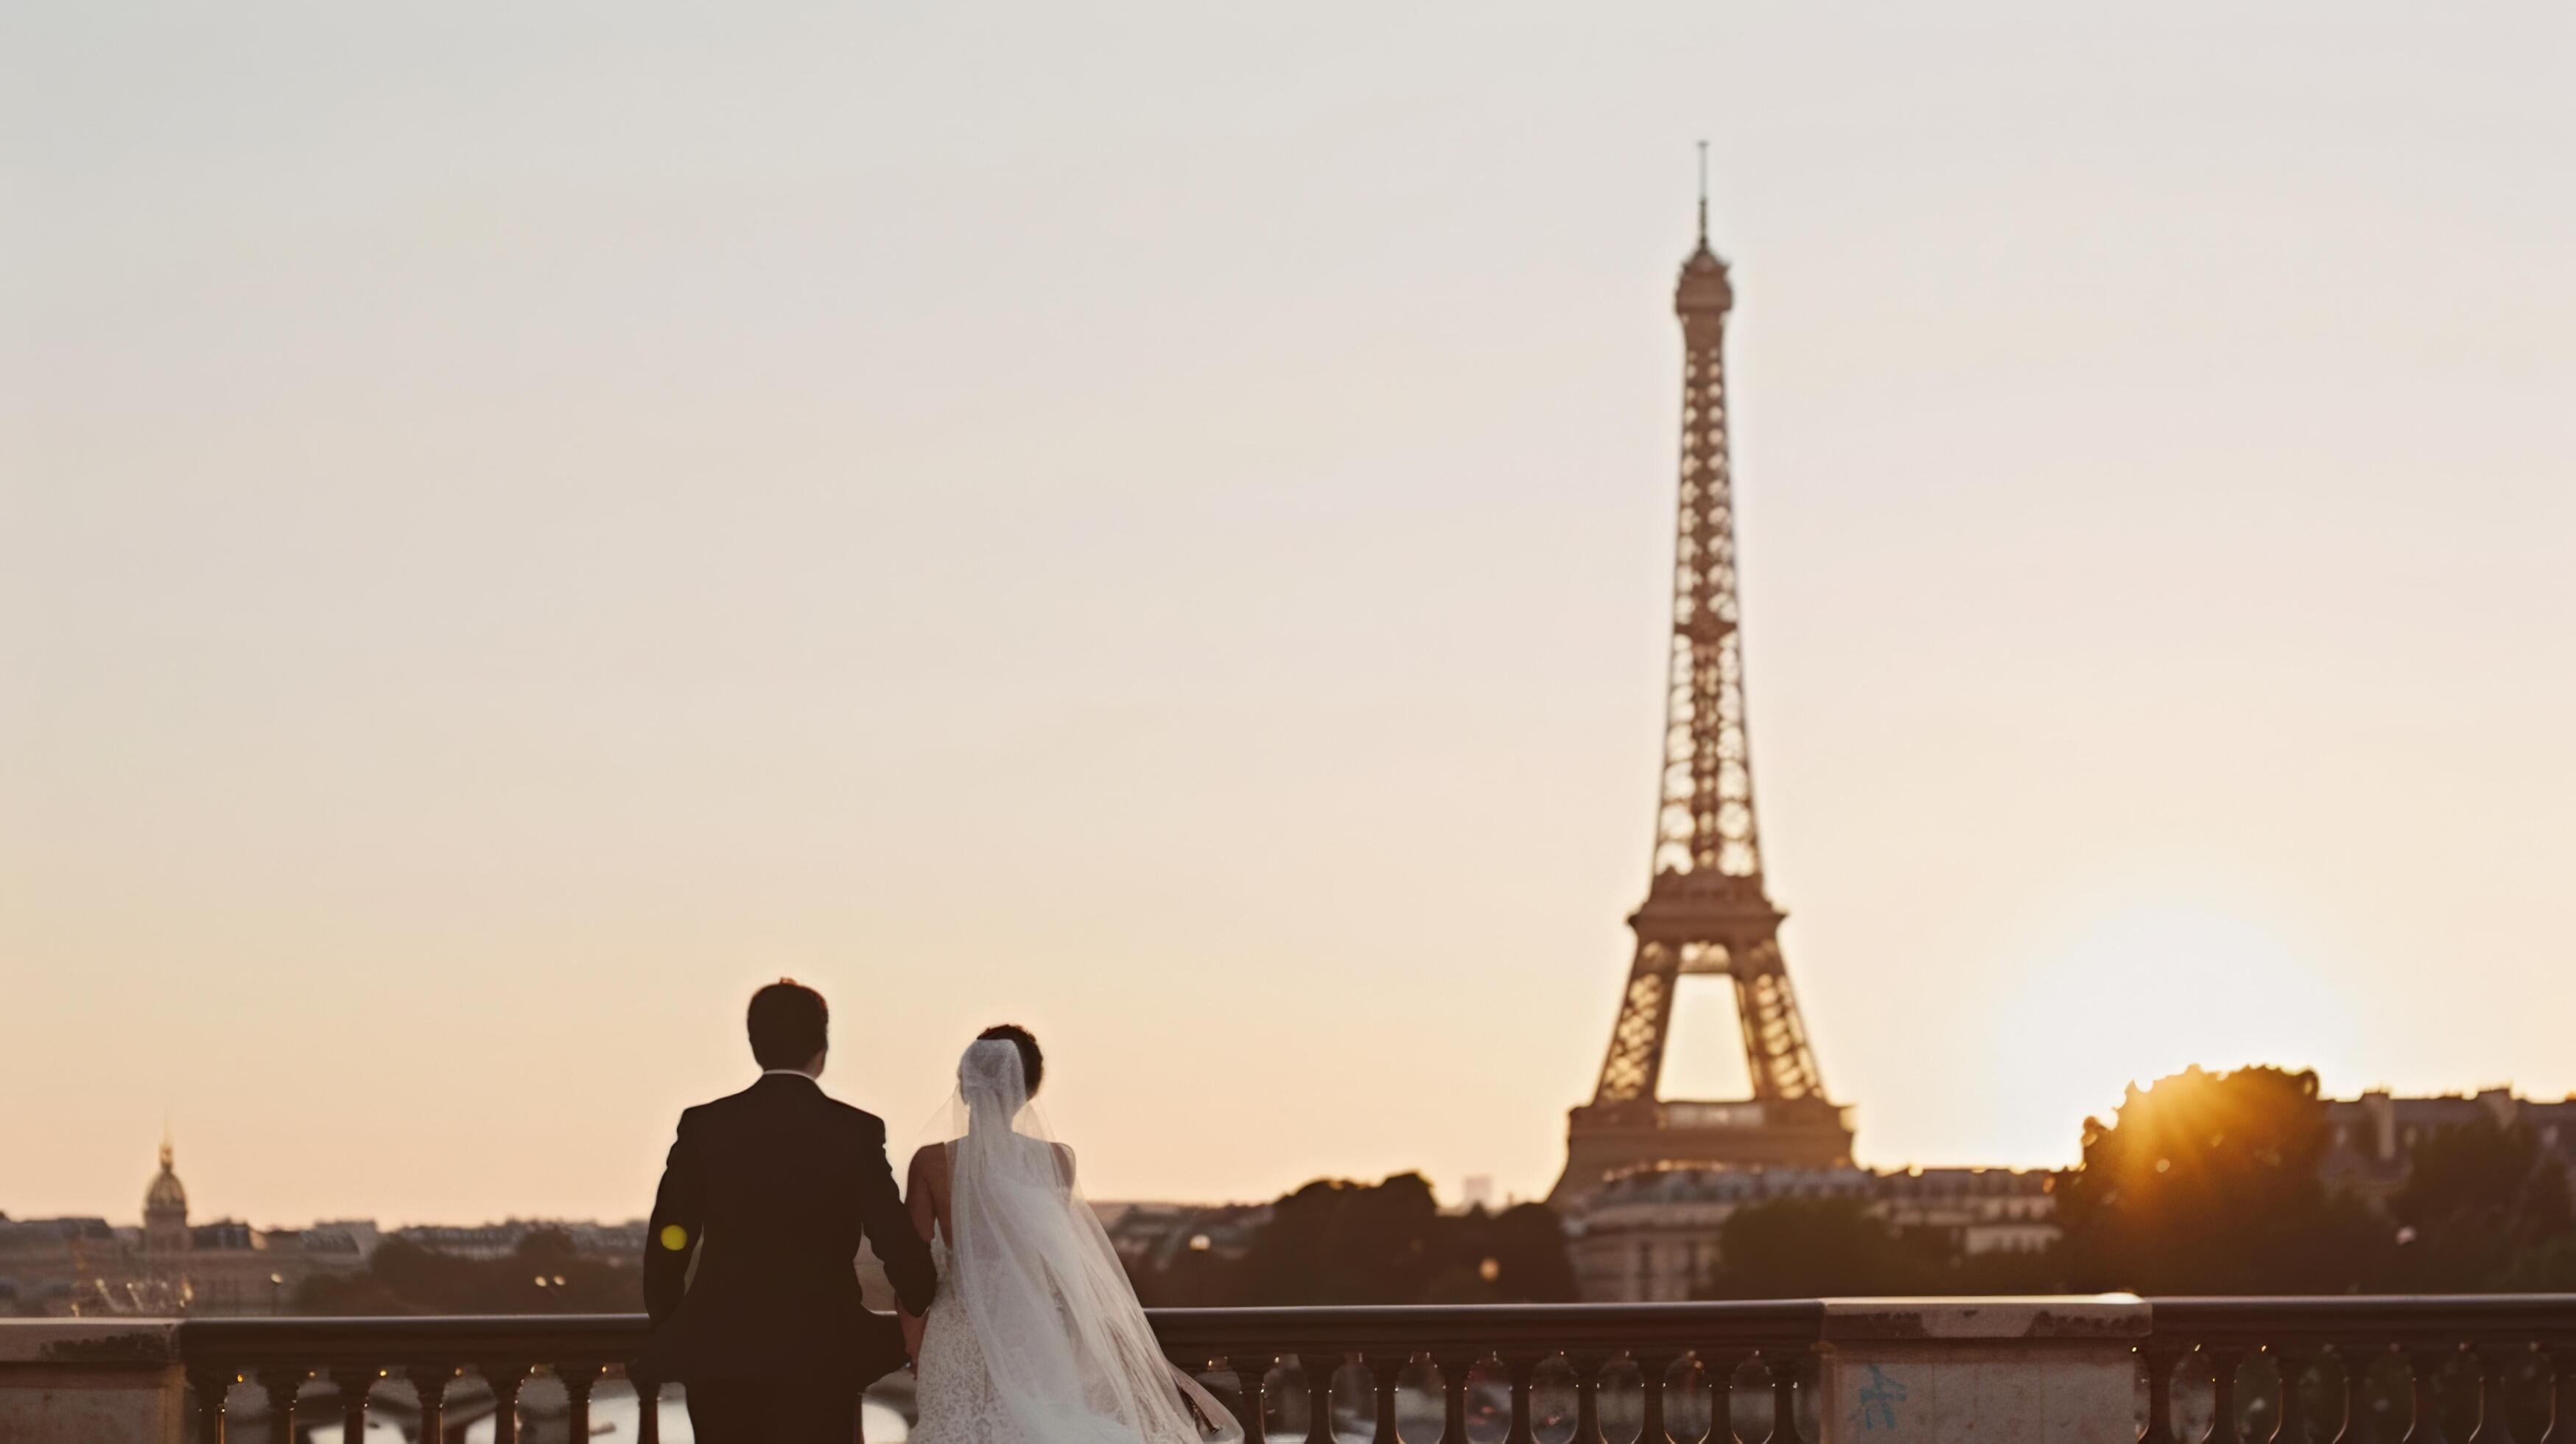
{"points": [[1032, 1062], [789, 1024]]}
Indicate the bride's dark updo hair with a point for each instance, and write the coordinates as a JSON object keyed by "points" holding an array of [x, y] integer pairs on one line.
{"points": [[1032, 1062]]}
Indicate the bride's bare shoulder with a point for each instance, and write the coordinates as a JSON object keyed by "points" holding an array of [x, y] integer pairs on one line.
{"points": [[930, 1160], [1064, 1161]]}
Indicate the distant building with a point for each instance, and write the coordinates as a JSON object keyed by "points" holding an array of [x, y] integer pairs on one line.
{"points": [[169, 1266], [1653, 1237], [2371, 1151], [620, 1241], [352, 1241], [1149, 1237], [1974, 1211], [48, 1266], [476, 1241], [623, 1241]]}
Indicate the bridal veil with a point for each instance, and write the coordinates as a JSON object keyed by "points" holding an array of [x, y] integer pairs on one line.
{"points": [[1070, 1353]]}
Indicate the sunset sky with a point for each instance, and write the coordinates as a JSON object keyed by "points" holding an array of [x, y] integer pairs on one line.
{"points": [[521, 523]]}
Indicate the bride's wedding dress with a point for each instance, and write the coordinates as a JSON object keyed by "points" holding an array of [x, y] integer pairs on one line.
{"points": [[1036, 1336]]}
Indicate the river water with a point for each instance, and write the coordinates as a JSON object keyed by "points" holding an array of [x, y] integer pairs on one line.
{"points": [[613, 1420]]}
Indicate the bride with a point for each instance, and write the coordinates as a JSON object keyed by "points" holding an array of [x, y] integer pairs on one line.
{"points": [[1035, 1333]]}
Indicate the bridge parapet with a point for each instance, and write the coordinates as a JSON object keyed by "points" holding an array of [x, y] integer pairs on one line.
{"points": [[1805, 1371]]}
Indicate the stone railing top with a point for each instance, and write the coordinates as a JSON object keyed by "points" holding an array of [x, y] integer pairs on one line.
{"points": [[2040, 1318], [1584, 1330], [89, 1341]]}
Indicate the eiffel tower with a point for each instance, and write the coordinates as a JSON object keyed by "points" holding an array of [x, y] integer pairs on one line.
{"points": [[1706, 910]]}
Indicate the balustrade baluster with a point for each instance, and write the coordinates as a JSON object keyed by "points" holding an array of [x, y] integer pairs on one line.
{"points": [[1587, 1397], [1783, 1369], [1721, 1369], [2425, 1365], [1320, 1369], [2160, 1361], [431, 1381], [505, 1380], [2487, 1424], [354, 1385], [1454, 1370], [1198, 1368], [2561, 1428], [1652, 1369], [2354, 1428], [1383, 1372], [2223, 1364], [214, 1387], [578, 1381], [2291, 1426], [1522, 1366], [1251, 1373], [648, 1409], [283, 1383]]}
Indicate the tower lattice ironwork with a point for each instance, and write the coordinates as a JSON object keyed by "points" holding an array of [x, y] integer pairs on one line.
{"points": [[1706, 909]]}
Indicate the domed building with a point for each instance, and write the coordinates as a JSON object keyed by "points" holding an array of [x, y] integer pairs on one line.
{"points": [[165, 1212], [168, 1267], [223, 1267]]}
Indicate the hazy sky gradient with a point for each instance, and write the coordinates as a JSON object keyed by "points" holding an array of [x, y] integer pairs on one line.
{"points": [[519, 523]]}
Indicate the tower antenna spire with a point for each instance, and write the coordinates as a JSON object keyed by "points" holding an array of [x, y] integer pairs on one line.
{"points": [[1703, 195]]}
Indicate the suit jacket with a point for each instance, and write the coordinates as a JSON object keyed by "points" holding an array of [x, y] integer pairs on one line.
{"points": [[771, 1191]]}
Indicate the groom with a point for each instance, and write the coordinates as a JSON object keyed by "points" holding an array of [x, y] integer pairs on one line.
{"points": [[748, 1269]]}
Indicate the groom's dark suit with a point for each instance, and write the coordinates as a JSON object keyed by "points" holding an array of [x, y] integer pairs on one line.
{"points": [[771, 1191]]}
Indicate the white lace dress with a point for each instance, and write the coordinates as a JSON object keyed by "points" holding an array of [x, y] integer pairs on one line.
{"points": [[955, 1394]]}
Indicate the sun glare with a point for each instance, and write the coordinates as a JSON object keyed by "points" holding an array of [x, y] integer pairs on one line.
{"points": [[2153, 990]]}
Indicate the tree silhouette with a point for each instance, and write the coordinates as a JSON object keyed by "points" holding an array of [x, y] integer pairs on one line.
{"points": [[545, 1275], [2482, 1206], [1335, 1241], [2206, 1183], [1790, 1248]]}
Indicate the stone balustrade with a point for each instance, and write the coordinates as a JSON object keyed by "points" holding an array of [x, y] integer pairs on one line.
{"points": [[2095, 1370]]}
